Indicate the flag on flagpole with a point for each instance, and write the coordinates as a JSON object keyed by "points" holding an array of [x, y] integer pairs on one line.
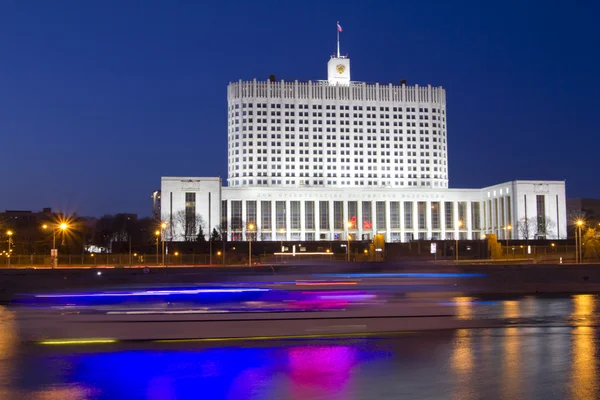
{"points": [[339, 27]]}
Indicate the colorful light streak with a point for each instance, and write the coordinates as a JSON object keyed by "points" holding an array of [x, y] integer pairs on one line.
{"points": [[153, 293], [402, 275]]}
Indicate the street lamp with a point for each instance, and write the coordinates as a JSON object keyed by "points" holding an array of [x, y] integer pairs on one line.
{"points": [[250, 228], [578, 249], [157, 234], [9, 233], [507, 229], [163, 226], [457, 235], [63, 226]]}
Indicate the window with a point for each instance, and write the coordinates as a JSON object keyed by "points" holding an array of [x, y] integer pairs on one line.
{"points": [[462, 214], [352, 214], [408, 214], [540, 201], [265, 208], [236, 215], [323, 214], [309, 215], [295, 215], [395, 215], [421, 210], [380, 215], [280, 215], [475, 216], [449, 214], [251, 213], [338, 215], [435, 215], [367, 215], [189, 222]]}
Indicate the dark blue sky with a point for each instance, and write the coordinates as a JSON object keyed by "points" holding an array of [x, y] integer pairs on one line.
{"points": [[99, 99]]}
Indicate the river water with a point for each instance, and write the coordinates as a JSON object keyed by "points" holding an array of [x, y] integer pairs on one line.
{"points": [[548, 349]]}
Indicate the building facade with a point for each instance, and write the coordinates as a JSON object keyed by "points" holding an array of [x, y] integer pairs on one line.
{"points": [[333, 159]]}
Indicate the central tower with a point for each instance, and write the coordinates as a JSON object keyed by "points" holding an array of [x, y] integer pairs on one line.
{"points": [[338, 71]]}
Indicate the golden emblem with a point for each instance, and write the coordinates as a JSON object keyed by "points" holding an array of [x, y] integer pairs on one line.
{"points": [[340, 68]]}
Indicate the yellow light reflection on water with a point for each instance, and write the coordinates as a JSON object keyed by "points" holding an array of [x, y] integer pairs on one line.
{"points": [[511, 363], [8, 345], [583, 308], [584, 368], [584, 384], [464, 307], [462, 363], [510, 309]]}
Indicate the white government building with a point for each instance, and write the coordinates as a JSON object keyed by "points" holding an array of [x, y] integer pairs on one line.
{"points": [[327, 159]]}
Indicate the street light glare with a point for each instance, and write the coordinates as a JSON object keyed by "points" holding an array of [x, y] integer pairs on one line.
{"points": [[63, 226], [163, 225], [45, 226], [157, 232], [579, 222], [9, 233]]}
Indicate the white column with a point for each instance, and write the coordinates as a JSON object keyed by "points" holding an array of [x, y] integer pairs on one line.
{"points": [[402, 231], [288, 213], [456, 219], [388, 225], [415, 217], [302, 220], [469, 222], [331, 230], [373, 218], [259, 223], [442, 220], [317, 221], [273, 219], [428, 222], [359, 219], [244, 222]]}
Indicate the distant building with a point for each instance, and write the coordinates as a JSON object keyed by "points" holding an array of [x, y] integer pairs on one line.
{"points": [[332, 159], [581, 208], [27, 227], [156, 205]]}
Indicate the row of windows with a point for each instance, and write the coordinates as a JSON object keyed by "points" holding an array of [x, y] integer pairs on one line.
{"points": [[334, 107], [350, 215], [319, 182], [234, 117]]}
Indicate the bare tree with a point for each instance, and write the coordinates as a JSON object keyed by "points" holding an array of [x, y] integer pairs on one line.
{"points": [[526, 228], [536, 228], [189, 226]]}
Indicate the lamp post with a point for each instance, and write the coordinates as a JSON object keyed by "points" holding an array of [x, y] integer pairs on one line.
{"points": [[63, 226], [163, 226], [457, 235], [507, 229], [250, 228], [157, 234], [9, 233], [578, 248]]}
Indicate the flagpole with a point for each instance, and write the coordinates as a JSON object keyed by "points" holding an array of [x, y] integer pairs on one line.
{"points": [[338, 39]]}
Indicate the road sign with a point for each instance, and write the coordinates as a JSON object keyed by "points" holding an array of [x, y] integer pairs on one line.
{"points": [[433, 248]]}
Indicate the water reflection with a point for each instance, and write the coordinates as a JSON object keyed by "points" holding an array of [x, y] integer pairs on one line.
{"points": [[511, 365], [514, 362], [584, 384], [464, 307], [462, 363], [8, 345], [510, 309]]}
